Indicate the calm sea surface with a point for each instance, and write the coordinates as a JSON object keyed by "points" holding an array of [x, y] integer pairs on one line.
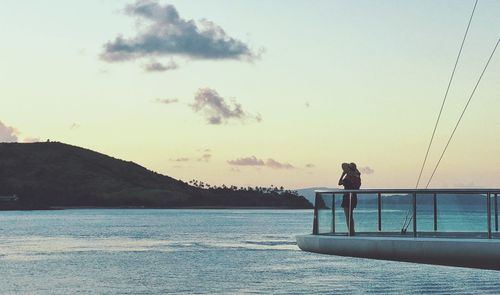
{"points": [[205, 251]]}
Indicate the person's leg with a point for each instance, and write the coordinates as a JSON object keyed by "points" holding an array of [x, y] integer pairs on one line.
{"points": [[352, 231], [346, 212]]}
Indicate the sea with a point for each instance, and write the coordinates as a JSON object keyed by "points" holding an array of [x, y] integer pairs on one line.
{"points": [[149, 251]]}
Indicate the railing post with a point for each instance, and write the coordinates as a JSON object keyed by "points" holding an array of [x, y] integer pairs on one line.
{"points": [[333, 213], [488, 207], [435, 212], [414, 214], [349, 231], [496, 213], [315, 220], [379, 200]]}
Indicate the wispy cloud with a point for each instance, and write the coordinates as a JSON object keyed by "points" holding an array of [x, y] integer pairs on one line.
{"points": [[278, 165], [182, 159], [205, 158], [11, 134], [216, 109], [166, 100], [248, 161], [167, 34], [254, 161], [366, 170], [155, 66], [8, 133], [74, 126]]}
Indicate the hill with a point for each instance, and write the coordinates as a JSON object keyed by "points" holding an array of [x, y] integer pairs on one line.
{"points": [[52, 174]]}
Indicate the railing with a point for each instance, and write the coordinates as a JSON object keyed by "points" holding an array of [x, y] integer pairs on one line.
{"points": [[477, 199]]}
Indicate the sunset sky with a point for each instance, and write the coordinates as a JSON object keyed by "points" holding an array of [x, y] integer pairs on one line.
{"points": [[257, 92]]}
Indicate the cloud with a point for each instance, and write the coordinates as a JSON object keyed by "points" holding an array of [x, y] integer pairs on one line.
{"points": [[155, 67], [7, 133], [277, 165], [167, 34], [205, 158], [248, 161], [215, 108], [166, 101], [366, 170], [182, 159], [309, 165], [74, 126], [254, 161]]}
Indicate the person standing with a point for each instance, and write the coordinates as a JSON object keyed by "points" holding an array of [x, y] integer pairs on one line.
{"points": [[351, 180]]}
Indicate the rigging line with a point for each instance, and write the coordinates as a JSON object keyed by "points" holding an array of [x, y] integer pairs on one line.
{"points": [[445, 95], [463, 112], [407, 217]]}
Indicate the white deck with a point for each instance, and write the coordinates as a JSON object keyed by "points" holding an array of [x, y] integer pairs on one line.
{"points": [[464, 249]]}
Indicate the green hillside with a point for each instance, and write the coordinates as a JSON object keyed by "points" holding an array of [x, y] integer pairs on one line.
{"points": [[53, 174]]}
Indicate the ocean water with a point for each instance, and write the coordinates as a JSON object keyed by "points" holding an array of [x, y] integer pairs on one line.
{"points": [[121, 251]]}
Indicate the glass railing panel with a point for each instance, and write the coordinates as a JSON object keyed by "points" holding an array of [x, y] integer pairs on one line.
{"points": [[340, 220], [494, 213], [365, 214], [425, 213], [395, 209], [325, 216], [462, 213]]}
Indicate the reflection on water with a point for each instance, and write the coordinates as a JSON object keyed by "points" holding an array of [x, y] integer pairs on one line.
{"points": [[200, 251]]}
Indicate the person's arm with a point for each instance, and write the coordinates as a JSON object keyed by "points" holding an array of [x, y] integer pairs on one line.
{"points": [[341, 178]]}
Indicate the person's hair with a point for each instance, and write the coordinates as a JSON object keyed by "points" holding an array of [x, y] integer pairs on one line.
{"points": [[354, 169], [350, 168]]}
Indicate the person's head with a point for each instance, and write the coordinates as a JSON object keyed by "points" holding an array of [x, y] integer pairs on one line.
{"points": [[350, 168], [345, 167]]}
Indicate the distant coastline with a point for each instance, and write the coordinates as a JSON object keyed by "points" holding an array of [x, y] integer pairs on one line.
{"points": [[54, 175]]}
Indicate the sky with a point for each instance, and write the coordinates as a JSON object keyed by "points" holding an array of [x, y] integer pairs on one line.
{"points": [[254, 93]]}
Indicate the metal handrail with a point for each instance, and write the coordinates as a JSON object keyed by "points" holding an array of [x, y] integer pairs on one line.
{"points": [[418, 191], [488, 192]]}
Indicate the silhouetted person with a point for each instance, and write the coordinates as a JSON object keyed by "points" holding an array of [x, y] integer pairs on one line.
{"points": [[350, 179]]}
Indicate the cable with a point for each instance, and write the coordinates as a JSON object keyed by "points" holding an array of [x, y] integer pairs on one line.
{"points": [[403, 230], [446, 95], [463, 112], [405, 225]]}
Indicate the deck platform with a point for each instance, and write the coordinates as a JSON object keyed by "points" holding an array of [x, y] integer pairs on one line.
{"points": [[473, 250], [464, 249]]}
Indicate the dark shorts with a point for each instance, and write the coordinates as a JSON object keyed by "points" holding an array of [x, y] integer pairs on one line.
{"points": [[345, 201]]}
